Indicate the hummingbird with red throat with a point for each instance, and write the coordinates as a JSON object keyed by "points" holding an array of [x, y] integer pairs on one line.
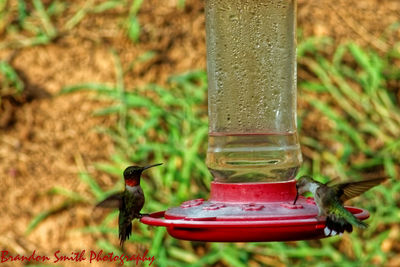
{"points": [[129, 202]]}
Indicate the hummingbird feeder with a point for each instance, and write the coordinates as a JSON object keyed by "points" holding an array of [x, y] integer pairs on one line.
{"points": [[253, 149]]}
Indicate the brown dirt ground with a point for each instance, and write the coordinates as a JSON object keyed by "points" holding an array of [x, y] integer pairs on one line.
{"points": [[41, 139]]}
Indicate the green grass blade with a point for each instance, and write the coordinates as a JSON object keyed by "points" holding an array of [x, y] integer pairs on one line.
{"points": [[96, 87], [45, 19], [93, 185], [11, 79], [45, 214]]}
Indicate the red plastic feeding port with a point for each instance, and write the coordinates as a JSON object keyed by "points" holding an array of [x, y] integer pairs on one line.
{"points": [[246, 212]]}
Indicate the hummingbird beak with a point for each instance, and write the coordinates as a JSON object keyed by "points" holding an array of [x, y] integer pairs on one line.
{"points": [[150, 166], [297, 195]]}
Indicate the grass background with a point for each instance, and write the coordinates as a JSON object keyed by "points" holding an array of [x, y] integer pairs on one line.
{"points": [[349, 124]]}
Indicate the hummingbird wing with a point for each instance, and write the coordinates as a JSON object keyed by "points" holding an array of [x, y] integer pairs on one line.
{"points": [[333, 181], [346, 191], [114, 201]]}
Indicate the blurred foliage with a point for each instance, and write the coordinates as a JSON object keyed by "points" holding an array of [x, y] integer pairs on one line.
{"points": [[11, 84], [29, 19], [360, 125], [37, 22]]}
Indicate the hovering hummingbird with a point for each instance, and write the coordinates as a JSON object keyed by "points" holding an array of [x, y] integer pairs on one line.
{"points": [[330, 198], [129, 202]]}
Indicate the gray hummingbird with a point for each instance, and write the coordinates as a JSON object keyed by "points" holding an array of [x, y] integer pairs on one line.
{"points": [[330, 198], [129, 202]]}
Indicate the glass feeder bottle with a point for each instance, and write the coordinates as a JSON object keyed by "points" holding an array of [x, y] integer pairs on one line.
{"points": [[251, 65]]}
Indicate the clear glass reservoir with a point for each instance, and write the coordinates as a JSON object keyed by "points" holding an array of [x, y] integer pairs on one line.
{"points": [[251, 65]]}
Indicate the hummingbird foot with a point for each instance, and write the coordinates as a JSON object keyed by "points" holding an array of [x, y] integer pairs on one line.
{"points": [[141, 215]]}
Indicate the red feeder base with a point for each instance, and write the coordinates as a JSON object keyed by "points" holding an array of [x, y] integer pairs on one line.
{"points": [[246, 212]]}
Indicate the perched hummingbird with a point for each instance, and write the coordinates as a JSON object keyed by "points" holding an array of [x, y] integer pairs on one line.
{"points": [[129, 202], [330, 198]]}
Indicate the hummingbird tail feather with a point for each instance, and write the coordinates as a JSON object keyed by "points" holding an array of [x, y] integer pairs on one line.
{"points": [[338, 224], [124, 232], [353, 220], [361, 224]]}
